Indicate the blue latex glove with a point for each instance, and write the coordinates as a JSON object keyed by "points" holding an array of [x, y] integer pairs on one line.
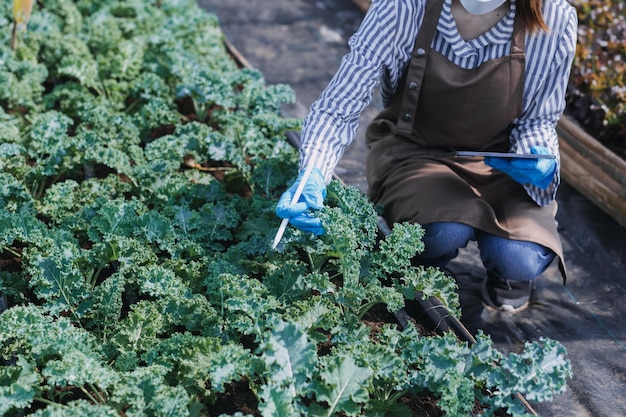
{"points": [[538, 172], [312, 198]]}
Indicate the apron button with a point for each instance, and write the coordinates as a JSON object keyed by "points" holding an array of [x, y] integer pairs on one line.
{"points": [[420, 52], [412, 86], [407, 117]]}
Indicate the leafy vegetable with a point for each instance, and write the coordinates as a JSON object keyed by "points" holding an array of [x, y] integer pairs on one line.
{"points": [[140, 170]]}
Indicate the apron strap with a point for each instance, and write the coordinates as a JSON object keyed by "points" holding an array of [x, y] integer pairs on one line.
{"points": [[421, 51], [417, 67]]}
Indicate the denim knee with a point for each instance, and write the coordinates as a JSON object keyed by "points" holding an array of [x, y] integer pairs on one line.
{"points": [[442, 241], [514, 260]]}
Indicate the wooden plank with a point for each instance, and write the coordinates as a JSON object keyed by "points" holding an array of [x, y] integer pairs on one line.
{"points": [[591, 149], [592, 181]]}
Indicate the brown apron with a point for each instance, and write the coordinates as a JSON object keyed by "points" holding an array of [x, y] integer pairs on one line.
{"points": [[438, 108]]}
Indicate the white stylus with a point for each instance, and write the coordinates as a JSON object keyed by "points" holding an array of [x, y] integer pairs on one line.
{"points": [[296, 196]]}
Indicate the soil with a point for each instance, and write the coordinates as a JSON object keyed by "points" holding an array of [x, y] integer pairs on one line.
{"points": [[238, 397]]}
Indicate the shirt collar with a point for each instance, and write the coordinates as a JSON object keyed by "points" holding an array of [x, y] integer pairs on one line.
{"points": [[501, 33]]}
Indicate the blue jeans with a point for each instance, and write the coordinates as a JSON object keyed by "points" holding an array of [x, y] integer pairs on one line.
{"points": [[514, 260]]}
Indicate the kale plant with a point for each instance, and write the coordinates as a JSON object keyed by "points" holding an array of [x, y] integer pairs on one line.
{"points": [[140, 169]]}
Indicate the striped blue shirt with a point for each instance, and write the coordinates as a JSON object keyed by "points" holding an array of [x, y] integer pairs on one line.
{"points": [[380, 51]]}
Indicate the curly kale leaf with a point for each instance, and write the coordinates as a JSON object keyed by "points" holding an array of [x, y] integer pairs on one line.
{"points": [[21, 227], [398, 249], [73, 99], [73, 205], [206, 89], [244, 303], [179, 305], [290, 360], [288, 280], [14, 196], [49, 145], [79, 369], [140, 329], [270, 176], [188, 141], [113, 130], [342, 387], [30, 332], [77, 408], [116, 217], [539, 373], [122, 62], [10, 129], [145, 391], [22, 82], [57, 279], [203, 364], [107, 305], [19, 385]]}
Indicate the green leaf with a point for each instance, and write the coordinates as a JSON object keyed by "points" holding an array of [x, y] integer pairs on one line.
{"points": [[20, 227], [146, 392], [106, 310], [78, 63], [288, 280], [22, 83], [539, 372], [141, 329], [29, 332], [76, 368], [276, 402], [202, 364], [343, 387], [116, 217], [245, 303], [80, 408], [290, 357], [400, 247], [57, 279], [19, 384], [14, 196]]}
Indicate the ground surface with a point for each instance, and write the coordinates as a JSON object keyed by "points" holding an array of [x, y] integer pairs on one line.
{"points": [[300, 43]]}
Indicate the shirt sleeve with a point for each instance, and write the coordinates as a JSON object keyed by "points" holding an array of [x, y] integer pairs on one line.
{"points": [[545, 90], [333, 119]]}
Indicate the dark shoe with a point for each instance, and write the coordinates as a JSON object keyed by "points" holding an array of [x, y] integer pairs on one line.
{"points": [[505, 295]]}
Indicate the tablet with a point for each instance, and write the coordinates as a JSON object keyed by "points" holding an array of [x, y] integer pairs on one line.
{"points": [[505, 155]]}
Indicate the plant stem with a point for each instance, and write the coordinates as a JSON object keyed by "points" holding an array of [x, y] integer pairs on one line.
{"points": [[93, 278], [88, 394], [366, 307], [45, 401], [14, 37], [11, 251], [95, 389]]}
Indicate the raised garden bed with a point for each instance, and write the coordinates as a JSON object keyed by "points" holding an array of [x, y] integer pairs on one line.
{"points": [[593, 132], [140, 169]]}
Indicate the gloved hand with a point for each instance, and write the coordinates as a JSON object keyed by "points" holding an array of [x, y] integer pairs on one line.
{"points": [[538, 172], [312, 198]]}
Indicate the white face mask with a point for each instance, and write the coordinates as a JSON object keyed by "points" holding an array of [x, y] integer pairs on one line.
{"points": [[481, 6]]}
